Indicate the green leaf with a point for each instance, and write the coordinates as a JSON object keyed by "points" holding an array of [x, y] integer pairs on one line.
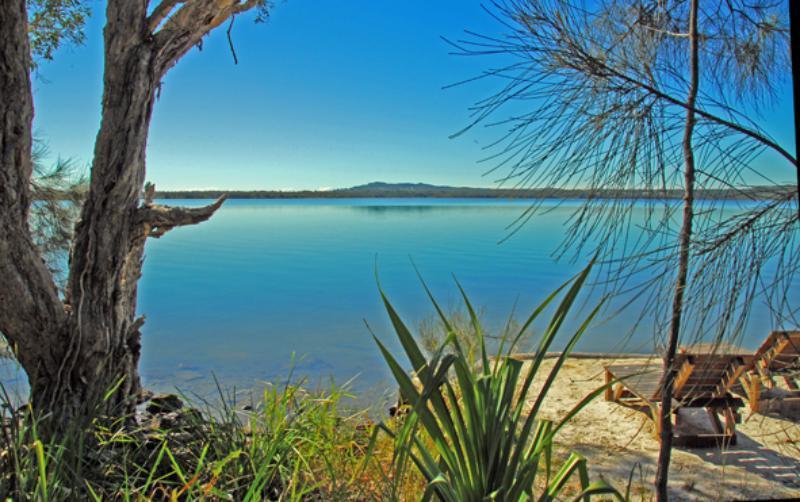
{"points": [[485, 446]]}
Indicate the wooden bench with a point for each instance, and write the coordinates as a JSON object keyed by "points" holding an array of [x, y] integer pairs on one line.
{"points": [[701, 380], [778, 357]]}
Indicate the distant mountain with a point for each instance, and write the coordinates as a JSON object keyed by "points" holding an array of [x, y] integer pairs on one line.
{"points": [[380, 186]]}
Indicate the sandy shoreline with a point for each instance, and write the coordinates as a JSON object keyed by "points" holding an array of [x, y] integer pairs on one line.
{"points": [[615, 439]]}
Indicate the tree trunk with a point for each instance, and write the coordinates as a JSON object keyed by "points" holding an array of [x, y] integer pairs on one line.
{"points": [[31, 315], [101, 348], [81, 353], [662, 475], [794, 30]]}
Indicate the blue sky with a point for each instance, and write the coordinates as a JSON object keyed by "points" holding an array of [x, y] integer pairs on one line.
{"points": [[327, 94]]}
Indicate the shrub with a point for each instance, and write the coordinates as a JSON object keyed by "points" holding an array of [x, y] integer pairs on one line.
{"points": [[468, 431]]}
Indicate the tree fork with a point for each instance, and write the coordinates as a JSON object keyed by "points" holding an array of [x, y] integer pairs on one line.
{"points": [[81, 354]]}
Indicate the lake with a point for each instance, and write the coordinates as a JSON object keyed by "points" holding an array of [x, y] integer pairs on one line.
{"points": [[267, 286]]}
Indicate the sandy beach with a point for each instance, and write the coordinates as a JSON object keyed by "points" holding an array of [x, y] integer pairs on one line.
{"points": [[615, 439]]}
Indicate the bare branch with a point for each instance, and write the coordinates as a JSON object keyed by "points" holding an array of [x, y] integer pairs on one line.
{"points": [[761, 138], [740, 224], [157, 220], [194, 20], [160, 13], [230, 40]]}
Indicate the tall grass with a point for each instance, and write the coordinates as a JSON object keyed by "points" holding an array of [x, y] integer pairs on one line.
{"points": [[470, 431], [291, 445], [432, 333]]}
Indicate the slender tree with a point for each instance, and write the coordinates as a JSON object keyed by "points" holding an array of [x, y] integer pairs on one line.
{"points": [[684, 245], [794, 19], [81, 351], [652, 96]]}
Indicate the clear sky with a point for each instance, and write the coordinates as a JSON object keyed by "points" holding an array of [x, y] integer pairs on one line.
{"points": [[327, 94]]}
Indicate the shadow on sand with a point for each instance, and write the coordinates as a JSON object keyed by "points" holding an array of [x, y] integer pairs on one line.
{"points": [[690, 481], [754, 457]]}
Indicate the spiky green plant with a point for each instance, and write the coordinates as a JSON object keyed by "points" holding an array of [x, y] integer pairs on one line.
{"points": [[486, 443]]}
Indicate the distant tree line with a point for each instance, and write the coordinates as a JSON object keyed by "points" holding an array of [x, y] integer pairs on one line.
{"points": [[755, 193]]}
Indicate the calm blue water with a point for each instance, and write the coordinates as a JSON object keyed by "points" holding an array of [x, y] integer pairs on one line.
{"points": [[265, 279]]}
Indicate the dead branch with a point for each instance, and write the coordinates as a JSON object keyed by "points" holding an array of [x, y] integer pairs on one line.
{"points": [[157, 220], [230, 40], [194, 20]]}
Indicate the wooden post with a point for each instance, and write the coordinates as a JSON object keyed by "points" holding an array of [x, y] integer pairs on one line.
{"points": [[684, 374], [752, 386], [715, 423]]}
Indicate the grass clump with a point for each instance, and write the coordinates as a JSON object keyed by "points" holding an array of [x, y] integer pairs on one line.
{"points": [[469, 431], [291, 445], [432, 332]]}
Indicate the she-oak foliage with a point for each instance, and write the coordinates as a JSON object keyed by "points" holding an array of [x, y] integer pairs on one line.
{"points": [[654, 96]]}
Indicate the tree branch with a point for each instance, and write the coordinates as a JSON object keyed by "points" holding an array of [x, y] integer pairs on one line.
{"points": [[598, 67], [194, 20], [157, 220], [230, 40], [738, 225], [160, 13], [703, 113]]}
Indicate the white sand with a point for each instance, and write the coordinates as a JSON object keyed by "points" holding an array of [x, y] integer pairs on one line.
{"points": [[615, 439]]}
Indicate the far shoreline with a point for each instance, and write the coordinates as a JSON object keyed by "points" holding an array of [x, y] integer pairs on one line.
{"points": [[422, 191]]}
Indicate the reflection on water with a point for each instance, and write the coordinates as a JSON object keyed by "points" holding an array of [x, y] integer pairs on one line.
{"points": [[395, 209], [239, 295]]}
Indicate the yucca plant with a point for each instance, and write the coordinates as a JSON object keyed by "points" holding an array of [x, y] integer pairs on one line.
{"points": [[469, 431]]}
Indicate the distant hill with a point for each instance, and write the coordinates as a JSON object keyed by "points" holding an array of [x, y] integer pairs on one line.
{"points": [[398, 187], [380, 189]]}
